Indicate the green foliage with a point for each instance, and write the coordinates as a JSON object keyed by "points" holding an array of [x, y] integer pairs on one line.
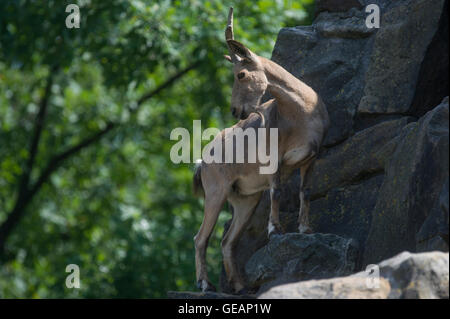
{"points": [[119, 208]]}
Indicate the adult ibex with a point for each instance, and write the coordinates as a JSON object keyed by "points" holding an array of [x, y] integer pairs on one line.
{"points": [[302, 121]]}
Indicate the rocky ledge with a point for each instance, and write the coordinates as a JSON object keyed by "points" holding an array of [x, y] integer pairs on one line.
{"points": [[405, 276]]}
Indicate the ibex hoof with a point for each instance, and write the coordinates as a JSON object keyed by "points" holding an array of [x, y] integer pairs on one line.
{"points": [[205, 286], [302, 229], [275, 229]]}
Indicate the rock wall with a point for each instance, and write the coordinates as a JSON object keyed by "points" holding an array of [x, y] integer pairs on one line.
{"points": [[381, 179]]}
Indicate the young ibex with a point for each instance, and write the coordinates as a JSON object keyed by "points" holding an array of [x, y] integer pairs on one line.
{"points": [[302, 121]]}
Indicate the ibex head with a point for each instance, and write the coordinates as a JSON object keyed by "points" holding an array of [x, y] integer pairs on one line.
{"points": [[250, 81]]}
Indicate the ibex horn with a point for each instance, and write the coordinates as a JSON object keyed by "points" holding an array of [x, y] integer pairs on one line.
{"points": [[229, 35]]}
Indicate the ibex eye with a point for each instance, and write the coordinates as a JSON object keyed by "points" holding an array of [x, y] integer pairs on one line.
{"points": [[241, 75]]}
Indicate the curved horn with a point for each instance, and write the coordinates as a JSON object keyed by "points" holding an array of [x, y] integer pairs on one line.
{"points": [[229, 35], [229, 30]]}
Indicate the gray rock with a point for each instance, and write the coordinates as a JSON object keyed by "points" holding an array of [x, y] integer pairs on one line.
{"points": [[336, 6], [412, 276], [204, 295], [349, 25], [336, 288], [407, 28], [433, 235], [347, 211], [363, 154], [414, 178], [293, 257], [383, 4], [433, 80], [423, 275]]}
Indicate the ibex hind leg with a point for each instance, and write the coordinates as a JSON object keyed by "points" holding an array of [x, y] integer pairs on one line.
{"points": [[244, 207], [303, 216], [274, 226], [213, 205]]}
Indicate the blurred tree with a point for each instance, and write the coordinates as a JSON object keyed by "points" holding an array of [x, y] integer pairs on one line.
{"points": [[85, 120]]}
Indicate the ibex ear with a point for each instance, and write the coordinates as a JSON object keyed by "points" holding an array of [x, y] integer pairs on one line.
{"points": [[241, 51], [228, 58]]}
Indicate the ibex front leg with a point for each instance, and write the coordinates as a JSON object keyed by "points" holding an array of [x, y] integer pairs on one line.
{"points": [[213, 204], [274, 226], [303, 216]]}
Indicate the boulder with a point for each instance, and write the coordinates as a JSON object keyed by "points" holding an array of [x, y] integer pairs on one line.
{"points": [[422, 275], [294, 257], [405, 276], [336, 288]]}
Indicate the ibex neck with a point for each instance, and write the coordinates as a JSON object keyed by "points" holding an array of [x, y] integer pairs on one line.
{"points": [[292, 94]]}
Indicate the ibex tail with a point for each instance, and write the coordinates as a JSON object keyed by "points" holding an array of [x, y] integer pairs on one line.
{"points": [[197, 182]]}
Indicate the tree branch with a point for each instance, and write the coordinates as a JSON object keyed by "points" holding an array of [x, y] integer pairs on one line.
{"points": [[37, 132], [25, 197], [58, 159], [24, 180], [168, 83]]}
